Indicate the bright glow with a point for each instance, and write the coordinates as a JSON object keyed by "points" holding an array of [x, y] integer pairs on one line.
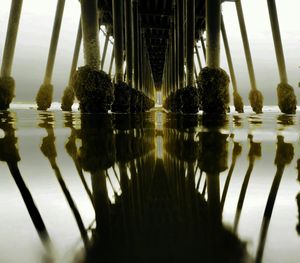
{"points": [[158, 98], [159, 147], [2, 134]]}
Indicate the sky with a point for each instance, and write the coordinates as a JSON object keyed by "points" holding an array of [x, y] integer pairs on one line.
{"points": [[36, 27]]}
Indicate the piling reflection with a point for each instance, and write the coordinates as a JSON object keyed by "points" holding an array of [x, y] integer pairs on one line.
{"points": [[48, 148], [72, 150], [158, 183], [9, 153], [254, 152], [159, 213], [284, 156]]}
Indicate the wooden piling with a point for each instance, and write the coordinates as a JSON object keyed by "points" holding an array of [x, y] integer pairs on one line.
{"points": [[118, 39], [128, 37], [90, 32], [190, 40], [11, 37]]}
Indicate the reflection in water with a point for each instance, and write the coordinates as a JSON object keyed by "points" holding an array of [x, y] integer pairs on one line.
{"points": [[254, 152], [71, 149], [49, 150], [237, 149], [9, 153], [284, 156], [160, 185]]}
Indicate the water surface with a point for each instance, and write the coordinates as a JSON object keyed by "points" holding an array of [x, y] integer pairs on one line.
{"points": [[151, 187]]}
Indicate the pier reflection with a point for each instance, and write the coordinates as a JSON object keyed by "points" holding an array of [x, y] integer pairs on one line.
{"points": [[9, 154], [163, 187]]}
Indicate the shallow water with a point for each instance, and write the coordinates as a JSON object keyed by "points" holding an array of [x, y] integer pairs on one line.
{"points": [[150, 187]]}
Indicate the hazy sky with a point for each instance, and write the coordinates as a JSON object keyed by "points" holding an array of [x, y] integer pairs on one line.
{"points": [[36, 27]]}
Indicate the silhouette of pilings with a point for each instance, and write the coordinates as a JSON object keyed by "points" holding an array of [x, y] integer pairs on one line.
{"points": [[122, 90], [213, 81], [284, 156], [124, 155], [166, 217], [122, 148], [128, 97], [255, 96], [237, 99], [9, 153], [180, 99], [101, 148], [189, 94], [213, 156], [7, 83], [287, 100], [254, 152], [45, 92], [96, 155], [93, 87], [49, 150], [176, 153], [174, 44], [69, 96]]}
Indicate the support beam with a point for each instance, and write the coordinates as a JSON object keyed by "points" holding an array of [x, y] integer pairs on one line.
{"points": [[104, 50], [180, 49], [140, 48], [76, 52], [255, 96], [118, 39], [135, 41], [93, 88], [11, 37], [172, 55], [90, 31], [237, 99], [190, 40], [45, 93], [7, 83], [277, 41], [69, 96], [213, 26], [128, 36], [246, 43], [286, 97], [175, 45], [213, 81], [54, 41]]}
